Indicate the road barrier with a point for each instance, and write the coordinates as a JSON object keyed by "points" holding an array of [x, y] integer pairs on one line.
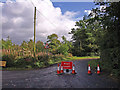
{"points": [[66, 66], [70, 66]]}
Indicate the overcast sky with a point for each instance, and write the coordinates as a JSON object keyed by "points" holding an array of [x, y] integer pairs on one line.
{"points": [[52, 17]]}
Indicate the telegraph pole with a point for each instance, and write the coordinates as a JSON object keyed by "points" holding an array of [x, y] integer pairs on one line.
{"points": [[34, 31]]}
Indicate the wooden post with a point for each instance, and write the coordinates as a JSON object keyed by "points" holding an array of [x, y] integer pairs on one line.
{"points": [[34, 30]]}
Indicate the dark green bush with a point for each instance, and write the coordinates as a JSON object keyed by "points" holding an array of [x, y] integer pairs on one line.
{"points": [[43, 59], [56, 58], [25, 62], [10, 59], [94, 63]]}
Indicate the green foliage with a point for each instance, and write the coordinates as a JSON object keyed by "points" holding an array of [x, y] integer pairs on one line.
{"points": [[10, 59], [109, 44], [52, 37], [68, 44], [22, 56], [25, 62], [84, 39], [30, 45], [63, 49], [44, 59], [7, 44], [39, 46], [54, 43], [94, 63], [38, 64]]}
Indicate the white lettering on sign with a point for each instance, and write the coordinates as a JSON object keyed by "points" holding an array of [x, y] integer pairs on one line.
{"points": [[67, 63]]}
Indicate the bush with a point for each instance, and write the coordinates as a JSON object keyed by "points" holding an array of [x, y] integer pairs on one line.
{"points": [[31, 62], [43, 59], [38, 64], [10, 59], [57, 57], [94, 63], [26, 62], [63, 49]]}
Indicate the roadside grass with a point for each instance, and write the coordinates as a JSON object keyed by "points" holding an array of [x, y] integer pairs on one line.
{"points": [[105, 70], [51, 62], [79, 58], [94, 63], [14, 68]]}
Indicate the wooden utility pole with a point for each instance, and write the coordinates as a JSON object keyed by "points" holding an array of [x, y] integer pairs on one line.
{"points": [[34, 31]]}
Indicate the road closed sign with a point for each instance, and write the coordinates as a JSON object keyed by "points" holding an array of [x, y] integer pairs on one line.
{"points": [[66, 65]]}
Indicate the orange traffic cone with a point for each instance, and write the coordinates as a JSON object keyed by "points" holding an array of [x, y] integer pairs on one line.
{"points": [[73, 69], [98, 69], [58, 70], [89, 71], [61, 69]]}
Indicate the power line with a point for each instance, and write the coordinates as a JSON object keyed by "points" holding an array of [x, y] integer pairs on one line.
{"points": [[45, 16], [49, 5]]}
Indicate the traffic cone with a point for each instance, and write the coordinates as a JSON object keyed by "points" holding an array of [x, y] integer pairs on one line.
{"points": [[89, 71], [98, 69], [61, 69], [73, 69], [58, 70]]}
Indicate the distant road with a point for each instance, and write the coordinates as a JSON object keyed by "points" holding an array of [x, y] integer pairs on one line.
{"points": [[47, 78]]}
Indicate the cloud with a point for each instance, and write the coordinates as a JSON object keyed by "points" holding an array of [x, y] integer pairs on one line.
{"points": [[18, 20], [69, 14], [87, 11], [101, 8]]}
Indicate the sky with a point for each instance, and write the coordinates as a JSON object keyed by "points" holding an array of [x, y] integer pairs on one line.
{"points": [[52, 17]]}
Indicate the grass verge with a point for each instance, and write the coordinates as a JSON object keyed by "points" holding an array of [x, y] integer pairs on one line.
{"points": [[110, 72]]}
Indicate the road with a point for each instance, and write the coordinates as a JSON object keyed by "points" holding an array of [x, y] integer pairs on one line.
{"points": [[47, 78]]}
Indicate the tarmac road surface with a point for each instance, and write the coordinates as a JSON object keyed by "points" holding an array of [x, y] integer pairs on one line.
{"points": [[47, 78]]}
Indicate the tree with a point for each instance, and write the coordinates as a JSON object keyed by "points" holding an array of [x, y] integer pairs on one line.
{"points": [[63, 49], [30, 45], [54, 43], [79, 38], [52, 37], [109, 42], [40, 46], [85, 37], [24, 45], [7, 44], [65, 46], [68, 43]]}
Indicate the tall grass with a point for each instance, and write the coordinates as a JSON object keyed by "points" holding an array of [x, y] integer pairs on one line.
{"points": [[25, 59]]}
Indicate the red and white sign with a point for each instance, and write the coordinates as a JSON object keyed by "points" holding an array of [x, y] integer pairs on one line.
{"points": [[66, 65]]}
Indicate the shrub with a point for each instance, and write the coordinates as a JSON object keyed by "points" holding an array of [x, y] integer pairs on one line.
{"points": [[25, 62], [44, 59], [38, 64], [57, 57], [94, 63], [10, 59]]}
